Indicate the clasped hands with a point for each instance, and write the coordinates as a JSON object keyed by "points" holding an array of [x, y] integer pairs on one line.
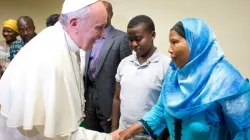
{"points": [[119, 134]]}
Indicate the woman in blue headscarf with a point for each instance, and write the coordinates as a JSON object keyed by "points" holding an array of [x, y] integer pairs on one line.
{"points": [[203, 96]]}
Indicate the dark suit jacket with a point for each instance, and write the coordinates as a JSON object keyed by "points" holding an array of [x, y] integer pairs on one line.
{"points": [[115, 48]]}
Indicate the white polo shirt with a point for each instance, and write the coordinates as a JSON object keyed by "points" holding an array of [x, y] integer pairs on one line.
{"points": [[140, 85]]}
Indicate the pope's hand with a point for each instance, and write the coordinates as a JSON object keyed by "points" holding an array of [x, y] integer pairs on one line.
{"points": [[115, 135]]}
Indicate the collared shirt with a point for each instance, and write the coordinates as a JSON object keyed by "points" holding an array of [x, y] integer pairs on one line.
{"points": [[15, 48], [140, 85], [71, 44], [76, 50], [95, 53]]}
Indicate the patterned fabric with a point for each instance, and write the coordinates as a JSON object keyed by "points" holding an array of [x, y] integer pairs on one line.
{"points": [[148, 129], [15, 48], [4, 56]]}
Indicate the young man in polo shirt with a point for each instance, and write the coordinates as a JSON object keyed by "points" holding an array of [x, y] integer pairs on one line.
{"points": [[139, 76]]}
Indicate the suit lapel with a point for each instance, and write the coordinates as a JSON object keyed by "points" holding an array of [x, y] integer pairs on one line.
{"points": [[106, 47]]}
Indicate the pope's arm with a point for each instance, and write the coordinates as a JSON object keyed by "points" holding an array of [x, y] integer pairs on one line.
{"points": [[80, 134], [84, 134]]}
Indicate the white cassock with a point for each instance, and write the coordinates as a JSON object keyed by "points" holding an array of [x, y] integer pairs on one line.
{"points": [[41, 92]]}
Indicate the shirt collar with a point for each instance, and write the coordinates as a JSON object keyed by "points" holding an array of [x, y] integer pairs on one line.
{"points": [[153, 59], [19, 42], [71, 44], [106, 31], [30, 40], [22, 41]]}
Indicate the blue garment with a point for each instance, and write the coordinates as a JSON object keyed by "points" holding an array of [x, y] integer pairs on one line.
{"points": [[222, 120], [191, 89], [15, 48], [208, 94]]}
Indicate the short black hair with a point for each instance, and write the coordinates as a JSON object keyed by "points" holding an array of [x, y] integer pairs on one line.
{"points": [[52, 19], [25, 18], [142, 20]]}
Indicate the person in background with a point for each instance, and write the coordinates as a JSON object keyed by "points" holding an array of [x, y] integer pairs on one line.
{"points": [[203, 96], [41, 91], [52, 19], [26, 30], [100, 69], [10, 33], [139, 76]]}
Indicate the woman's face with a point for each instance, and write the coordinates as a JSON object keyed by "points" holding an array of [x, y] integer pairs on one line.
{"points": [[179, 51], [9, 34]]}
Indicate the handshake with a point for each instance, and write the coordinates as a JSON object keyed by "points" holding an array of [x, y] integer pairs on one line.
{"points": [[120, 134]]}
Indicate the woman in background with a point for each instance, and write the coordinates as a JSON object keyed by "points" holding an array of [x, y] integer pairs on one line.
{"points": [[203, 96], [10, 33]]}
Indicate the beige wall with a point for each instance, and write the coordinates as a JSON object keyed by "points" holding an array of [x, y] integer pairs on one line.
{"points": [[38, 10], [230, 20]]}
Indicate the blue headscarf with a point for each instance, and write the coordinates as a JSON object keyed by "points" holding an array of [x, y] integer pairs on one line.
{"points": [[206, 78]]}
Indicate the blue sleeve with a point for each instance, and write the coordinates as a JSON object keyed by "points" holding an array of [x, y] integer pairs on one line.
{"points": [[154, 121], [236, 111]]}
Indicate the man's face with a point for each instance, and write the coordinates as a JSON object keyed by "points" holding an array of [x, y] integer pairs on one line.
{"points": [[26, 30], [140, 39], [93, 27]]}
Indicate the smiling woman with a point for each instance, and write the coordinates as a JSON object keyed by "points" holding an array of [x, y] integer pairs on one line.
{"points": [[10, 34]]}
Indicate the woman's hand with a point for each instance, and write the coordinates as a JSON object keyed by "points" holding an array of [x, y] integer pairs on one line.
{"points": [[125, 135], [131, 131], [116, 134]]}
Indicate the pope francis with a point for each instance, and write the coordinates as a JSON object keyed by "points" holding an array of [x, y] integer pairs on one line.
{"points": [[41, 93]]}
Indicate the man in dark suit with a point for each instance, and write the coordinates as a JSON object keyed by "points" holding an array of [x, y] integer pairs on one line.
{"points": [[101, 65]]}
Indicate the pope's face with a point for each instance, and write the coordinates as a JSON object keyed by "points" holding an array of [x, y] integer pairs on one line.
{"points": [[93, 27]]}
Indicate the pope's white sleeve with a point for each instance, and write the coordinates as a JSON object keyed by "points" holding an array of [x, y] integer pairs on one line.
{"points": [[84, 134]]}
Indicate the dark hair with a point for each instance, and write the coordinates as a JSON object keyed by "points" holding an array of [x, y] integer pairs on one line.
{"points": [[26, 18], [142, 20], [52, 19], [179, 28]]}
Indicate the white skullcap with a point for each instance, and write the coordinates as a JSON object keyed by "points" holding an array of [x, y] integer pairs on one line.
{"points": [[74, 5]]}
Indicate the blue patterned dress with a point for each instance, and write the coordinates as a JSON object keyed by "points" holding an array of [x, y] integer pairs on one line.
{"points": [[15, 48]]}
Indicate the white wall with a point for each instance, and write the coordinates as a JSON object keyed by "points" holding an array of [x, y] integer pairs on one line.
{"points": [[230, 20]]}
